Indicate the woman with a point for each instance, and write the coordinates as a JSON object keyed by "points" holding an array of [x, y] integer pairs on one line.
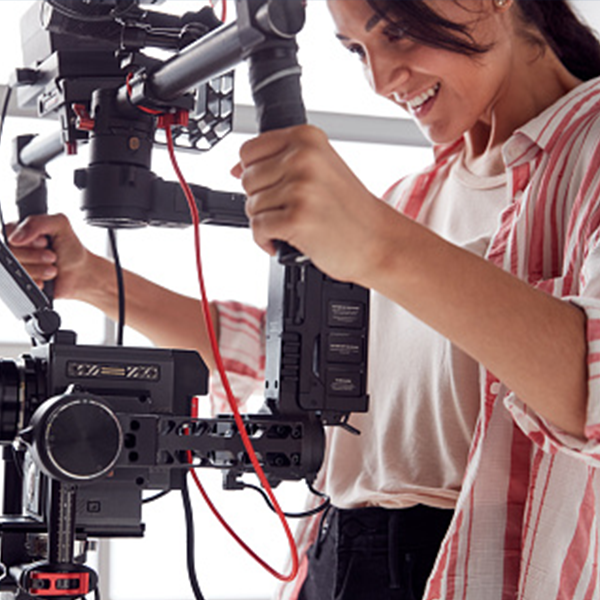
{"points": [[484, 354]]}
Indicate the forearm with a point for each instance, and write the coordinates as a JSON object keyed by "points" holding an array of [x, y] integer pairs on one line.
{"points": [[534, 343], [300, 191], [168, 319]]}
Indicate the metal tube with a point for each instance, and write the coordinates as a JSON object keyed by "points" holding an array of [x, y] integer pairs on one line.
{"points": [[41, 150], [209, 57], [61, 526]]}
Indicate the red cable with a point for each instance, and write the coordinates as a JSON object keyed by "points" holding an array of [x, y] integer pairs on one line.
{"points": [[149, 111], [230, 396], [223, 9], [218, 515]]}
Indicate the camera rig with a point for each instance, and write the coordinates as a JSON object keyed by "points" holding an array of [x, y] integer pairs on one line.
{"points": [[85, 429]]}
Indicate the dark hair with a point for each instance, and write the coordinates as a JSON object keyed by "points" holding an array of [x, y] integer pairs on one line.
{"points": [[573, 42], [555, 21]]}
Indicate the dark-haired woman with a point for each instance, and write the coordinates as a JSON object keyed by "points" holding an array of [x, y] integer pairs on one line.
{"points": [[486, 276], [479, 455]]}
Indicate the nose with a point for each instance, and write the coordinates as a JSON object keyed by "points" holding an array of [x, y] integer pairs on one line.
{"points": [[386, 72]]}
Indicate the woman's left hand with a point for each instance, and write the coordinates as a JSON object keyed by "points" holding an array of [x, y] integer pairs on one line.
{"points": [[301, 192]]}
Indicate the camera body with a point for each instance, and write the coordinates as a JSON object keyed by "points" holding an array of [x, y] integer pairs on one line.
{"points": [[127, 381]]}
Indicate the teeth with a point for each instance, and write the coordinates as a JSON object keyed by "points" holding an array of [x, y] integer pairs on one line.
{"points": [[419, 100]]}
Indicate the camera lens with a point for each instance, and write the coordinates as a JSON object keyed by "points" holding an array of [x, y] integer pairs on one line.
{"points": [[22, 389], [10, 388]]}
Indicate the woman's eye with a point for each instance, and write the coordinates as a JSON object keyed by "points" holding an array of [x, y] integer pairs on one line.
{"points": [[356, 49], [394, 33]]}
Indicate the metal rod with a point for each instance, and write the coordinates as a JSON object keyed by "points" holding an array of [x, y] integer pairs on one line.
{"points": [[41, 150], [61, 527], [205, 59]]}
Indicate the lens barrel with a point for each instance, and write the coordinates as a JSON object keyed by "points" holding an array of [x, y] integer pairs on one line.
{"points": [[22, 389], [10, 390]]}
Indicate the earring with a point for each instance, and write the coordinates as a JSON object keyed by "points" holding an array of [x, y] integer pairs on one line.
{"points": [[501, 3]]}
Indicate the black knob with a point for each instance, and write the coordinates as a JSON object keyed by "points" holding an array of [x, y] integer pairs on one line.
{"points": [[75, 437]]}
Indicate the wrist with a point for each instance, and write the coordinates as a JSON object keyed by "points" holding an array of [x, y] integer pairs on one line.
{"points": [[96, 282], [384, 251]]}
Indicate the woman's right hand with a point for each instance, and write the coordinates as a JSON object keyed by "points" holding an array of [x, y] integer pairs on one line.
{"points": [[64, 260]]}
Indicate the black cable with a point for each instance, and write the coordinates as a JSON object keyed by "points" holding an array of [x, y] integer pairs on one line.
{"points": [[322, 531], [155, 497], [2, 119], [308, 513], [189, 530], [120, 285]]}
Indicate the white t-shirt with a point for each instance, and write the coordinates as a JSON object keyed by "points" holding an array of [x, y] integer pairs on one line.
{"points": [[424, 391]]}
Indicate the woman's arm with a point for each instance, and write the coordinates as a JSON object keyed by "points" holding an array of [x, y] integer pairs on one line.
{"points": [[533, 342], [168, 319], [300, 191]]}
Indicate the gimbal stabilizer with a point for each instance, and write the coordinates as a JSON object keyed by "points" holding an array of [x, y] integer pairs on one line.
{"points": [[91, 427]]}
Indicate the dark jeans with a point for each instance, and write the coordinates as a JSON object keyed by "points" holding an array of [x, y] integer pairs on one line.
{"points": [[375, 554]]}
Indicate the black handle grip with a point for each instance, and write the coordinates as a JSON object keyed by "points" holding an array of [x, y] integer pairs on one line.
{"points": [[32, 199], [275, 81]]}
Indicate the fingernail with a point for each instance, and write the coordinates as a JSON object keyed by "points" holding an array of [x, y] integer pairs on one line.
{"points": [[48, 257]]}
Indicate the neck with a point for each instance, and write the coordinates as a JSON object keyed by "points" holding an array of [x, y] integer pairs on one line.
{"points": [[530, 90]]}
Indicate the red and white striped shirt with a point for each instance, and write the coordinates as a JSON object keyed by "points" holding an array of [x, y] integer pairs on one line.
{"points": [[526, 521]]}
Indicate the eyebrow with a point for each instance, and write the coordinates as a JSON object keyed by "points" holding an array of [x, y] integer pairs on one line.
{"points": [[371, 24]]}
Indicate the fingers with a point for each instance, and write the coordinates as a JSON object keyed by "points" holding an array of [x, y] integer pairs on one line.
{"points": [[46, 246], [273, 165], [38, 260], [34, 229], [29, 256], [263, 176], [264, 146], [41, 273], [265, 159], [284, 173], [266, 227], [261, 164]]}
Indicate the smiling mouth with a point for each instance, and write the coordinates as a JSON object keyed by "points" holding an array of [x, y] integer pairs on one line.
{"points": [[417, 102]]}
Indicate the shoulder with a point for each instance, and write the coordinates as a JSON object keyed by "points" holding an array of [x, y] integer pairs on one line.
{"points": [[576, 148], [417, 185], [563, 142], [572, 121]]}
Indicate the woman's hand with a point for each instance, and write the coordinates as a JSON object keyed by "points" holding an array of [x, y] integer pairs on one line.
{"points": [[170, 320], [68, 262], [301, 192]]}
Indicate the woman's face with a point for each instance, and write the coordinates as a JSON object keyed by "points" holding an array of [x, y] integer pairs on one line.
{"points": [[447, 93]]}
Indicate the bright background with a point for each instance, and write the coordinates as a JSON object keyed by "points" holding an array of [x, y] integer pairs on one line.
{"points": [[154, 567]]}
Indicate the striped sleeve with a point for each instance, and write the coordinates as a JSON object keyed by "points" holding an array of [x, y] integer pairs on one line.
{"points": [[586, 284], [553, 243], [592, 309], [542, 432], [242, 347]]}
